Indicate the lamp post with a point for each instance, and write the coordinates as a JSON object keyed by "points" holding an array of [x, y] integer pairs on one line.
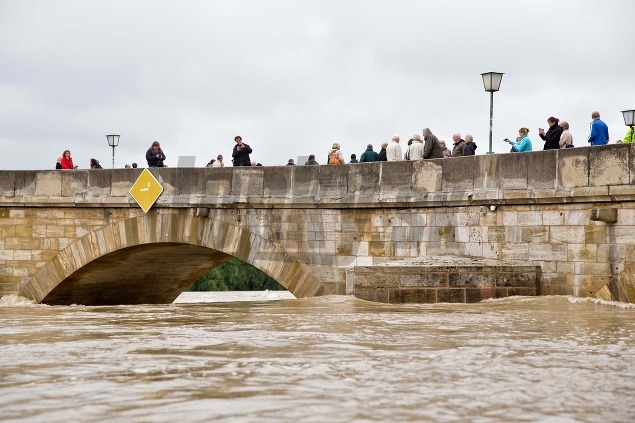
{"points": [[113, 141], [629, 120], [492, 83]]}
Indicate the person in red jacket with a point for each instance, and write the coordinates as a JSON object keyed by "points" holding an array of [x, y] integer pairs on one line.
{"points": [[67, 160]]}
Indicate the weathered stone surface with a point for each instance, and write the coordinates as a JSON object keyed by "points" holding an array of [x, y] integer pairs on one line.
{"points": [[218, 182], [364, 179], [541, 169], [486, 172], [75, 183], [49, 184], [609, 166], [458, 173], [248, 182], [427, 176], [512, 171], [277, 182], [573, 167], [7, 183]]}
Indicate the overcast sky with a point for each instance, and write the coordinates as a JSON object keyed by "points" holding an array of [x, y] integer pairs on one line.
{"points": [[292, 77]]}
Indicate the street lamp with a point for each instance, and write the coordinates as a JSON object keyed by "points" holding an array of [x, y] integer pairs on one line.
{"points": [[492, 83], [113, 141], [629, 120]]}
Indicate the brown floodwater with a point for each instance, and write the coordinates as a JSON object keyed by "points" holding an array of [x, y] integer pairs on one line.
{"points": [[335, 359]]}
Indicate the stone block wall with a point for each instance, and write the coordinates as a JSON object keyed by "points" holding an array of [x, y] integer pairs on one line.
{"points": [[534, 207]]}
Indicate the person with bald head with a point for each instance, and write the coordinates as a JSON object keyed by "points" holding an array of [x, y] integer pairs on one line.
{"points": [[599, 131]]}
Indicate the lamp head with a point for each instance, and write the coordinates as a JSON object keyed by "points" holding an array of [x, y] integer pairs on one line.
{"points": [[492, 81], [113, 140], [629, 117]]}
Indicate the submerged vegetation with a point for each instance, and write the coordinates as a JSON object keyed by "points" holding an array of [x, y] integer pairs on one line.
{"points": [[235, 275]]}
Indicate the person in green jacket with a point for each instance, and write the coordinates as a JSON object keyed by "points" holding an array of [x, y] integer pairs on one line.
{"points": [[629, 137], [369, 155]]}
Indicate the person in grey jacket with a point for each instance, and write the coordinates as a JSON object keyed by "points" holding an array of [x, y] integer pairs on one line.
{"points": [[431, 148]]}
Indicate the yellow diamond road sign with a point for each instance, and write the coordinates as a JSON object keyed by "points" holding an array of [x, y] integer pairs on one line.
{"points": [[146, 190]]}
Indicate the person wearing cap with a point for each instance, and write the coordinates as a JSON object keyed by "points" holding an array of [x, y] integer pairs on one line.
{"points": [[291, 162], [335, 155], [241, 152]]}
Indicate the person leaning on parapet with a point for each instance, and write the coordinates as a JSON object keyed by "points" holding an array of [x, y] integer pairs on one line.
{"points": [[416, 148], [382, 157], [431, 147], [311, 161], [459, 145], [393, 151], [94, 164], [219, 161], [446, 151], [369, 155], [470, 146], [599, 131], [241, 152], [67, 161], [522, 143], [335, 155], [155, 156], [552, 137], [566, 139]]}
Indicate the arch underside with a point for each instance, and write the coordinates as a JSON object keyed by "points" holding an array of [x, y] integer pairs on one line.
{"points": [[151, 259], [143, 274]]}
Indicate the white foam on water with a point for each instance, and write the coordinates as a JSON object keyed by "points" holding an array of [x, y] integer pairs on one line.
{"points": [[578, 300], [16, 301]]}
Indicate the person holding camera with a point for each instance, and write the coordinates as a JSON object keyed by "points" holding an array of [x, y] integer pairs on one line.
{"points": [[522, 143], [241, 152], [552, 137]]}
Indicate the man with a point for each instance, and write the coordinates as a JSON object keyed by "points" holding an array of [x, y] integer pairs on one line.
{"points": [[599, 130], [470, 146], [431, 148], [393, 151], [459, 145], [241, 152], [291, 162], [369, 155], [416, 148]]}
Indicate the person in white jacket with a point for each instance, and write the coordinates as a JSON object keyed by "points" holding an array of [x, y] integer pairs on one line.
{"points": [[393, 151]]}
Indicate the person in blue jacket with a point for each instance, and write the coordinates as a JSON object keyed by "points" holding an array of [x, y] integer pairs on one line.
{"points": [[522, 145], [599, 131]]}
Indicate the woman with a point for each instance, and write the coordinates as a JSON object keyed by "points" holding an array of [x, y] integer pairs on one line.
{"points": [[566, 139], [552, 137], [335, 155], [523, 144], [155, 156], [446, 150], [94, 164], [219, 161], [382, 157], [67, 160]]}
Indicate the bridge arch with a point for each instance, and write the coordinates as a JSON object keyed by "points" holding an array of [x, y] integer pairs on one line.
{"points": [[151, 259]]}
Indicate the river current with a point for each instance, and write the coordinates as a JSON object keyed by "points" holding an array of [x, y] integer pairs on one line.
{"points": [[330, 359]]}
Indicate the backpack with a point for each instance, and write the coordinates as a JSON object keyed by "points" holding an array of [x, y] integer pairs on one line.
{"points": [[334, 158]]}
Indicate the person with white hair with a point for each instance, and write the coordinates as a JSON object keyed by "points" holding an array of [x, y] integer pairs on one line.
{"points": [[393, 151], [459, 145], [416, 149], [335, 155], [566, 139]]}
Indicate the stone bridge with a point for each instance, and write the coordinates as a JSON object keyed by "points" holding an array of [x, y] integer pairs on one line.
{"points": [[78, 237]]}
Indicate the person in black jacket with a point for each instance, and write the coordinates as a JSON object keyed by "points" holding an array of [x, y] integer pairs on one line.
{"points": [[155, 156], [382, 157], [470, 146], [552, 137], [241, 152]]}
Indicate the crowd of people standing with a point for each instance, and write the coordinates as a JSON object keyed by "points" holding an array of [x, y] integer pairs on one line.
{"points": [[419, 147]]}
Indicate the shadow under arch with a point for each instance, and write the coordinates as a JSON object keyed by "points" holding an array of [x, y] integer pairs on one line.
{"points": [[151, 259]]}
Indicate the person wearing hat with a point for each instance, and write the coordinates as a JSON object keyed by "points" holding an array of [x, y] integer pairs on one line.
{"points": [[241, 152], [335, 155], [291, 162]]}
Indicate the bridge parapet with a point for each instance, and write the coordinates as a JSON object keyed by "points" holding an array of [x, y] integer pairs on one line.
{"points": [[588, 174]]}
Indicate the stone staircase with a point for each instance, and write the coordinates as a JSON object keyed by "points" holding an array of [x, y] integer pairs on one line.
{"points": [[445, 279]]}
